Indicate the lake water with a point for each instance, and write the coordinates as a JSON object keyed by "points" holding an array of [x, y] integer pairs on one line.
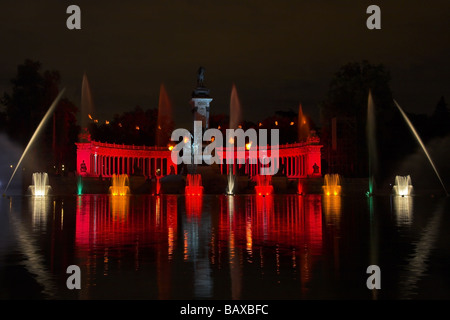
{"points": [[219, 247]]}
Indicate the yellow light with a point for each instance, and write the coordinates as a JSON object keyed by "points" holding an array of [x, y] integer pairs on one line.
{"points": [[212, 139], [260, 124], [335, 193], [276, 123], [292, 123], [231, 141], [170, 148], [11, 166], [106, 122], [328, 193], [248, 145], [90, 117]]}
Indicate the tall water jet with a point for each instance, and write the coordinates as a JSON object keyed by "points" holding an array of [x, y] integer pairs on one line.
{"points": [[332, 185], [403, 186], [235, 109], [235, 118], [158, 184], [263, 185], [119, 185], [193, 185], [231, 180], [87, 103], [165, 122], [40, 186], [79, 185], [371, 142], [300, 187], [302, 125], [38, 129], [419, 140]]}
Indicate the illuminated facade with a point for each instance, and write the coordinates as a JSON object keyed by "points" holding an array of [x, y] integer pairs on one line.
{"points": [[106, 159], [295, 160]]}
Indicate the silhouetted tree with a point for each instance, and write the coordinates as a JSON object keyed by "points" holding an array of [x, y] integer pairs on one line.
{"points": [[344, 120], [25, 106], [440, 119]]}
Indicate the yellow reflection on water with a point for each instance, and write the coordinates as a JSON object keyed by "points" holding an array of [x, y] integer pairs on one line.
{"points": [[40, 210], [119, 207], [332, 209], [403, 210]]}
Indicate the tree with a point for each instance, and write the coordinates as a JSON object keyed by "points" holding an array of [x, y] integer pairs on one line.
{"points": [[344, 120], [440, 119], [31, 95]]}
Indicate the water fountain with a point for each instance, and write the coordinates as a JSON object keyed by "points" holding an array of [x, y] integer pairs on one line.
{"points": [[302, 125], [87, 104], [403, 186], [419, 140], [235, 118], [164, 117], [119, 185], [158, 184], [332, 185], [79, 185], [231, 180], [38, 130], [299, 187], [235, 109], [193, 185], [263, 185], [40, 186], [371, 142]]}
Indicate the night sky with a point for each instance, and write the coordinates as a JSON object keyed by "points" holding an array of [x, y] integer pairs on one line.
{"points": [[278, 53]]}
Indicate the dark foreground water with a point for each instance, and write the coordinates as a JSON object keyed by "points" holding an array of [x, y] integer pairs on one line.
{"points": [[218, 247]]}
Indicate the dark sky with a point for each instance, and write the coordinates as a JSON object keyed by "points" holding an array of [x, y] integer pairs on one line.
{"points": [[278, 53]]}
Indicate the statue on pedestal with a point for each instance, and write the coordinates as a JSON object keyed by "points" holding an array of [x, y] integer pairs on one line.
{"points": [[200, 76]]}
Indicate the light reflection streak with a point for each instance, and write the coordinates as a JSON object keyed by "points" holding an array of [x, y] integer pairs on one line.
{"points": [[34, 262], [418, 262], [403, 208]]}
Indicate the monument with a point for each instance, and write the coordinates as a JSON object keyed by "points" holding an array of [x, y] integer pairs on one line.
{"points": [[200, 100]]}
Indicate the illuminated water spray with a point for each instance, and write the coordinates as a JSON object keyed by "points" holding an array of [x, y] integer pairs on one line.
{"points": [[39, 128], [40, 186], [421, 144], [332, 185], [403, 186], [235, 118], [371, 142], [119, 185]]}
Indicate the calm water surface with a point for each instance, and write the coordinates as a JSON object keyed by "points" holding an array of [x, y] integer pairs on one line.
{"points": [[218, 247]]}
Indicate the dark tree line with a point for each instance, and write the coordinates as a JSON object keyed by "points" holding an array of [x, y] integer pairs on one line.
{"points": [[135, 127]]}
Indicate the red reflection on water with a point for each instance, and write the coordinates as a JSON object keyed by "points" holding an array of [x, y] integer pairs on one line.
{"points": [[194, 206], [108, 221], [289, 222]]}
